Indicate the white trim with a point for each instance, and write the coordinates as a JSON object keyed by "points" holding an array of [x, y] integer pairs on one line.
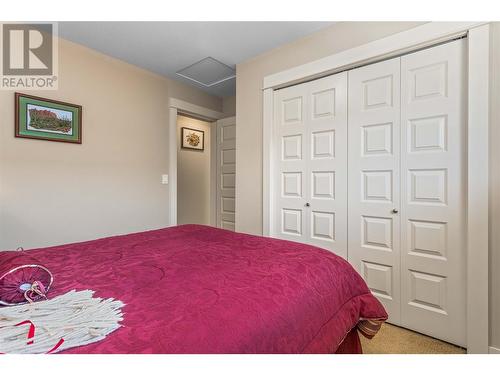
{"points": [[177, 106], [195, 110], [419, 37], [493, 350], [172, 165], [213, 173], [477, 216], [227, 120], [267, 167], [478, 191]]}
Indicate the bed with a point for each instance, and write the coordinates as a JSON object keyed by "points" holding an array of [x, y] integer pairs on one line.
{"points": [[197, 289]]}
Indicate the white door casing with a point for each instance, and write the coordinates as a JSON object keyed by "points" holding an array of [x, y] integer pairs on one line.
{"points": [[311, 159], [226, 173], [433, 195], [374, 143]]}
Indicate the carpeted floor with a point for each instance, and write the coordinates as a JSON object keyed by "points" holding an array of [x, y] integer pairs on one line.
{"points": [[396, 340]]}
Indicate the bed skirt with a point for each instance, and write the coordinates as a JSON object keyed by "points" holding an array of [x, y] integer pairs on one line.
{"points": [[351, 343]]}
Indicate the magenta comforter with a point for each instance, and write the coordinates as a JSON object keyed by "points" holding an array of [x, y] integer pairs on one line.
{"points": [[197, 289]]}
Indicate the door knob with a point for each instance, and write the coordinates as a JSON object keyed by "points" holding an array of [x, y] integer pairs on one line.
{"points": [[395, 211], [307, 204]]}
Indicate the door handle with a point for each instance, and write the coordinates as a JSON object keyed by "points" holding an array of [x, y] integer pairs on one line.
{"points": [[395, 211], [307, 204]]}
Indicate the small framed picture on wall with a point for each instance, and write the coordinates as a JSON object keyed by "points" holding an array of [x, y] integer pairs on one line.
{"points": [[46, 119], [192, 139]]}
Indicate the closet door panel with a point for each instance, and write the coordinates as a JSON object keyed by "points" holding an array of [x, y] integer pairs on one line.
{"points": [[291, 141], [328, 163], [374, 176], [311, 139], [433, 192]]}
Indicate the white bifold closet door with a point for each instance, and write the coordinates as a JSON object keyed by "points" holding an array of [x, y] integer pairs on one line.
{"points": [[374, 180], [311, 163], [433, 192], [407, 187]]}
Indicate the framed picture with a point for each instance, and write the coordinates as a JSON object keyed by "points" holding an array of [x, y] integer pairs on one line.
{"points": [[193, 139], [47, 119]]}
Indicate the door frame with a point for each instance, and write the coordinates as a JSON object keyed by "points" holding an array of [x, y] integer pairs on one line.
{"points": [[423, 36], [181, 107]]}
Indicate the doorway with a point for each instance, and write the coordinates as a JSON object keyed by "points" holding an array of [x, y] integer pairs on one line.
{"points": [[219, 146], [193, 171]]}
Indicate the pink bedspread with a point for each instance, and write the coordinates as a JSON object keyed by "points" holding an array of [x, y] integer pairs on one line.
{"points": [[197, 289]]}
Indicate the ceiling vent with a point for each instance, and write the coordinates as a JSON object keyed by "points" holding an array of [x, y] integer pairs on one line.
{"points": [[208, 72]]}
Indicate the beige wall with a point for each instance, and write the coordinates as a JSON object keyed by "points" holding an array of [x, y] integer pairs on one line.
{"points": [[193, 176], [229, 105], [495, 186], [249, 76], [52, 193]]}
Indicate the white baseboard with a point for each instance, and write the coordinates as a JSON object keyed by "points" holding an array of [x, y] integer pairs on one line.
{"points": [[494, 350]]}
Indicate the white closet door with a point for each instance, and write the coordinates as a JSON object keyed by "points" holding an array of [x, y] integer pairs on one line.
{"points": [[292, 149], [433, 192], [327, 171], [311, 163], [226, 172], [374, 178]]}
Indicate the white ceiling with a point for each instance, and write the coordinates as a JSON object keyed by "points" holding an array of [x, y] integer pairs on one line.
{"points": [[167, 47]]}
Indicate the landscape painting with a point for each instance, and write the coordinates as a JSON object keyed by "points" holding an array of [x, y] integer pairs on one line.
{"points": [[47, 119]]}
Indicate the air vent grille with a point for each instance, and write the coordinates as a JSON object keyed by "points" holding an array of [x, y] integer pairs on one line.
{"points": [[207, 72]]}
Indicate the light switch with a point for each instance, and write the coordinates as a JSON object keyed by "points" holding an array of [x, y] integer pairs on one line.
{"points": [[164, 179]]}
